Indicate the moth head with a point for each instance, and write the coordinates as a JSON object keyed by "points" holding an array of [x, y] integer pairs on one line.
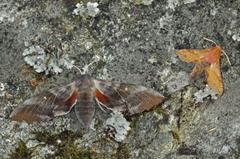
{"points": [[213, 54]]}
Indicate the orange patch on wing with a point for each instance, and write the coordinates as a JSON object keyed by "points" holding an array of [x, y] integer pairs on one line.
{"points": [[100, 96], [72, 99], [206, 60], [33, 82]]}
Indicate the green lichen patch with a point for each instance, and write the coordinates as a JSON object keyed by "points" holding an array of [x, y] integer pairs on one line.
{"points": [[176, 136], [64, 145], [123, 152], [52, 138], [21, 151], [63, 142]]}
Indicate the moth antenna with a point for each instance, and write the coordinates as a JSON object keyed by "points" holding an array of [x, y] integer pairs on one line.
{"points": [[91, 63], [210, 40], [96, 59], [85, 68], [221, 50], [226, 57], [77, 68]]}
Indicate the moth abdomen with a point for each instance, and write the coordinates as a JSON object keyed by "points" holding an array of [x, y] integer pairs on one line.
{"points": [[85, 108]]}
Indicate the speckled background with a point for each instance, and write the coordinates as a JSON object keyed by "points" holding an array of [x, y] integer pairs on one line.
{"points": [[137, 43]]}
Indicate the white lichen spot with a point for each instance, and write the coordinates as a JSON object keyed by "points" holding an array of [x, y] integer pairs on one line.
{"points": [[105, 75], [214, 11], [33, 49], [201, 94], [91, 9], [25, 23], [2, 90], [236, 37], [147, 2], [66, 62], [164, 74], [177, 81], [188, 1], [108, 58], [121, 125], [174, 59], [2, 87], [165, 20], [59, 141], [88, 45], [52, 62], [79, 10], [172, 4], [152, 59], [166, 71]]}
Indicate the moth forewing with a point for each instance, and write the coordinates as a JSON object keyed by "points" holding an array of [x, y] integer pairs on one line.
{"points": [[191, 55], [131, 98], [54, 102], [109, 95]]}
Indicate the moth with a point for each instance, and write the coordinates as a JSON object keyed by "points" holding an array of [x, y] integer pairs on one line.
{"points": [[206, 60], [85, 93]]}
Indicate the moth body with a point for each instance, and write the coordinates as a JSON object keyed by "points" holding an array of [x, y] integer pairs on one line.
{"points": [[83, 93]]}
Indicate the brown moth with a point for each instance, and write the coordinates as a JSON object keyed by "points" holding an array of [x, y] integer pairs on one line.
{"points": [[84, 93]]}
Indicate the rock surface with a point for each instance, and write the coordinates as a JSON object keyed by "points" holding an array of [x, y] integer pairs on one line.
{"points": [[136, 42]]}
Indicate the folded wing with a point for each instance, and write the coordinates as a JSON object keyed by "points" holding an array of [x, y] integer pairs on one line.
{"points": [[214, 78]]}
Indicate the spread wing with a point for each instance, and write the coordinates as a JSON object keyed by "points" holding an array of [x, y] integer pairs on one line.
{"points": [[192, 55], [126, 97], [54, 102]]}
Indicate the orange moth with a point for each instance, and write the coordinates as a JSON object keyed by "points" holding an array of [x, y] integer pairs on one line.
{"points": [[208, 60]]}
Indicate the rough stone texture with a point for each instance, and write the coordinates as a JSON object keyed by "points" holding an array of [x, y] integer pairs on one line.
{"points": [[137, 43]]}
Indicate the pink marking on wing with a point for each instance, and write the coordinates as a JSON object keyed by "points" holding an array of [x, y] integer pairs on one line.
{"points": [[72, 99], [101, 97], [213, 54]]}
